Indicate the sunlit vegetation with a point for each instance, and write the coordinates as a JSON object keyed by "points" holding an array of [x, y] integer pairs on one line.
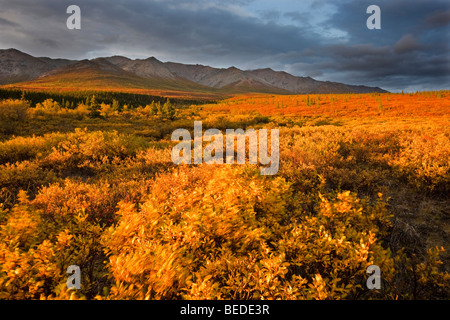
{"points": [[364, 179], [421, 104]]}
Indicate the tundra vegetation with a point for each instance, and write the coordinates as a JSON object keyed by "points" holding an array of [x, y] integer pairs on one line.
{"points": [[363, 180]]}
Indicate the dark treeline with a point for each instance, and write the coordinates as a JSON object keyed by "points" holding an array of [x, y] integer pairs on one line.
{"points": [[72, 99]]}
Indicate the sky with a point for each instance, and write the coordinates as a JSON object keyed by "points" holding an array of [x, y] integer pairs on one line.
{"points": [[326, 40]]}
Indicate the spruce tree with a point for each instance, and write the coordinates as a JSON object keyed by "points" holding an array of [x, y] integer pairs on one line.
{"points": [[116, 106], [154, 109], [168, 110], [94, 108]]}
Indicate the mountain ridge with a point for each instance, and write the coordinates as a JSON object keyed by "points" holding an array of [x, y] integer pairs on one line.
{"points": [[21, 69]]}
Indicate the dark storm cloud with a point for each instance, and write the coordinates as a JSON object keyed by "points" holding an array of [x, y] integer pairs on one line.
{"points": [[385, 61], [407, 43], [438, 19], [211, 30], [398, 18], [410, 49], [333, 43], [198, 30]]}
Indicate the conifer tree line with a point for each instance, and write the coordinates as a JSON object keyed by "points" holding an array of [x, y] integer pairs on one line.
{"points": [[70, 100]]}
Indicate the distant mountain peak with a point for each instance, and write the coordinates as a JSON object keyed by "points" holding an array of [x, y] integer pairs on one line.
{"points": [[17, 66], [119, 58], [13, 50], [265, 69], [152, 59]]}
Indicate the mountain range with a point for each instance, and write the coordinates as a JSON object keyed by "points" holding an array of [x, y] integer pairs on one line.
{"points": [[21, 70]]}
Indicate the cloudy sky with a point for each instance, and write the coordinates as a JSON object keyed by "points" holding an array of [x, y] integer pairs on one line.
{"points": [[324, 39]]}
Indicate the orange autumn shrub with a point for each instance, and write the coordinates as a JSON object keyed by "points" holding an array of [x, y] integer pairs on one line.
{"points": [[423, 159], [36, 250], [23, 175], [384, 105], [83, 149], [222, 232], [97, 200], [366, 158], [27, 269]]}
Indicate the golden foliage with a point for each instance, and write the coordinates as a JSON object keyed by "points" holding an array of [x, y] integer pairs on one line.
{"points": [[223, 232], [359, 175]]}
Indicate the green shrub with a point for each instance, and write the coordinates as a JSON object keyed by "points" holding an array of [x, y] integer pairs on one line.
{"points": [[12, 114]]}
